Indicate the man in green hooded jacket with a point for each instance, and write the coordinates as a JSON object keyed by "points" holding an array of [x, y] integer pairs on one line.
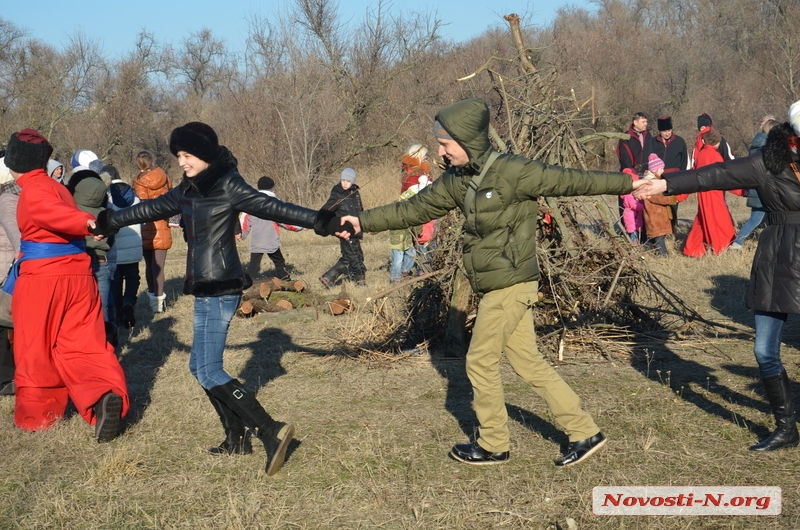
{"points": [[500, 259]]}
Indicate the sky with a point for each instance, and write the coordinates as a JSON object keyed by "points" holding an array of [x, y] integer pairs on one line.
{"points": [[114, 24]]}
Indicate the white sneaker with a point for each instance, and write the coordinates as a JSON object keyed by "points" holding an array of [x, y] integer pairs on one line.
{"points": [[735, 246]]}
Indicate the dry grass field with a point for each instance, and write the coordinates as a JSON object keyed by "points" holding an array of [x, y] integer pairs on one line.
{"points": [[373, 436]]}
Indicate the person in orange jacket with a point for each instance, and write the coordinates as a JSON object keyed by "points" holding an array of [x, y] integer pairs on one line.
{"points": [[151, 183]]}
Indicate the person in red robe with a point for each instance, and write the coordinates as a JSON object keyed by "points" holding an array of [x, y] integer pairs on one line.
{"points": [[60, 346], [713, 226]]}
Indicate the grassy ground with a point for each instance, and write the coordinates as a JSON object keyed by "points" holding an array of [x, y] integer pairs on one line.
{"points": [[372, 438]]}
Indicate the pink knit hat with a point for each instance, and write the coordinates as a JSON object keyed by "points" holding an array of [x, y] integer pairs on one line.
{"points": [[654, 163]]}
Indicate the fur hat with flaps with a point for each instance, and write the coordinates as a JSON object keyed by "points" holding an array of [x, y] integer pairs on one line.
{"points": [[27, 150], [196, 138]]}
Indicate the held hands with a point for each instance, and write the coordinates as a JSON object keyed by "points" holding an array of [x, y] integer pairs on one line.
{"points": [[92, 226], [642, 189], [349, 222], [100, 227], [328, 224]]}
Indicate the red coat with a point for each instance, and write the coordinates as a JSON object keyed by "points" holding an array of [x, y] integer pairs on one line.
{"points": [[60, 347], [713, 226]]}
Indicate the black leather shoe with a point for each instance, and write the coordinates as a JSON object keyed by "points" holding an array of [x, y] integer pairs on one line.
{"points": [[581, 450], [476, 455]]}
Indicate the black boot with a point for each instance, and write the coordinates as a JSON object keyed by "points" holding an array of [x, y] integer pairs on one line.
{"points": [[779, 394], [111, 334], [275, 435], [329, 278], [128, 317], [237, 438]]}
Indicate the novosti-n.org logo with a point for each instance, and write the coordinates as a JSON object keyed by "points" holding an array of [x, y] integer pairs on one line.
{"points": [[686, 500]]}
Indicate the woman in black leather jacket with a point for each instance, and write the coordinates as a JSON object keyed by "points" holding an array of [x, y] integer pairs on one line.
{"points": [[209, 198], [774, 289]]}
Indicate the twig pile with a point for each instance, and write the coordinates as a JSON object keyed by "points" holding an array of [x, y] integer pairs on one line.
{"points": [[597, 297]]}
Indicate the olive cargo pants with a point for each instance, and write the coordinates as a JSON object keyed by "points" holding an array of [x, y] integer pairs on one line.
{"points": [[505, 325]]}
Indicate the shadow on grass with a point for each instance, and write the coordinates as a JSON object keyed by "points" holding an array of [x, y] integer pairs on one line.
{"points": [[728, 296], [264, 365], [458, 402], [458, 397], [145, 358], [698, 383]]}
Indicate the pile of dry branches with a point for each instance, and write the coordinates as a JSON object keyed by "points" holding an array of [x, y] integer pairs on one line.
{"points": [[596, 293]]}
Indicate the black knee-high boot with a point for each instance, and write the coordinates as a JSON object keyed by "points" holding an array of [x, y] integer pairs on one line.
{"points": [[237, 438], [275, 435], [779, 394]]}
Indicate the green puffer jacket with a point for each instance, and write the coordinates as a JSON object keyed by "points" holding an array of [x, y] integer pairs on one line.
{"points": [[500, 234]]}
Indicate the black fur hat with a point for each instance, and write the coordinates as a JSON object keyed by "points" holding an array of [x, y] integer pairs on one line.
{"points": [[195, 138], [704, 120], [27, 150], [665, 123]]}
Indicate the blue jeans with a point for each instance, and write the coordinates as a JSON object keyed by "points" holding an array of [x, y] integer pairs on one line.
{"points": [[402, 261], [756, 217], [212, 317], [769, 330], [102, 272]]}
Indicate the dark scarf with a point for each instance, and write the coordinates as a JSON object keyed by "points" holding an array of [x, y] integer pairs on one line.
{"points": [[205, 181]]}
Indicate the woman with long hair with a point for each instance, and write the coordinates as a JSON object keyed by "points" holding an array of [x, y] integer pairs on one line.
{"points": [[151, 183]]}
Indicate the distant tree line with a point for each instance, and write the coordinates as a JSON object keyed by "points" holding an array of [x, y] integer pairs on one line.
{"points": [[311, 93]]}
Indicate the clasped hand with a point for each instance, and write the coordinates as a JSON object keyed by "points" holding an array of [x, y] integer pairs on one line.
{"points": [[642, 189]]}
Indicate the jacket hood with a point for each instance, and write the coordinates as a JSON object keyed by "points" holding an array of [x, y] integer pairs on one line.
{"points": [[777, 154], [89, 190], [467, 121]]}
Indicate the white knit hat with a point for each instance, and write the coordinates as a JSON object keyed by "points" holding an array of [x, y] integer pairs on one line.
{"points": [[794, 117], [81, 159]]}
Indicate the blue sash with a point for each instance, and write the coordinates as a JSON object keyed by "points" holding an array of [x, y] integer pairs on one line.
{"points": [[39, 250]]}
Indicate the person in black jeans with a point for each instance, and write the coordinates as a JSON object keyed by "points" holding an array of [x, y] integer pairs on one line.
{"points": [[345, 200]]}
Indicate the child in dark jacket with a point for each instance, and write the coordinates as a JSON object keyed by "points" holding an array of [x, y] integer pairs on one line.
{"points": [[345, 200]]}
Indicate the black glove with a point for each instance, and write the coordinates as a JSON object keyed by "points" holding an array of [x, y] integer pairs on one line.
{"points": [[328, 224], [102, 227], [324, 217], [346, 227]]}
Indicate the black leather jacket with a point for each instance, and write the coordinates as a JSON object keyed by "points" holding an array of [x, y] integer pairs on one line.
{"points": [[210, 203]]}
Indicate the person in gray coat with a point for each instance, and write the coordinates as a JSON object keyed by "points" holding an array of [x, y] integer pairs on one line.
{"points": [[9, 248], [265, 238]]}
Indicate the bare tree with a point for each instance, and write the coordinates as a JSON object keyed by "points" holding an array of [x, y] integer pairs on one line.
{"points": [[202, 64], [364, 62]]}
